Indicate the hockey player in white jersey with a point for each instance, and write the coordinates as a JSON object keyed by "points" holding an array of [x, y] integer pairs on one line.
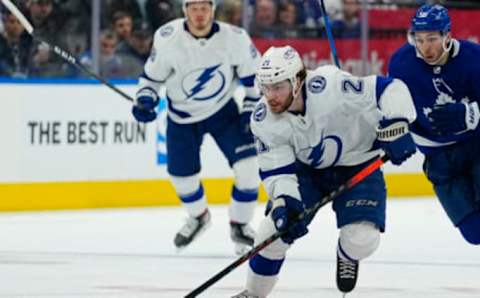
{"points": [[316, 129], [200, 62]]}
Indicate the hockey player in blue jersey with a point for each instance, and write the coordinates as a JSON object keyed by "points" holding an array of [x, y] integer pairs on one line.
{"points": [[316, 129], [443, 76], [200, 62]]}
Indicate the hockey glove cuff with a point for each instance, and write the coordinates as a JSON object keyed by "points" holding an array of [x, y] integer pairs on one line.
{"points": [[285, 214], [146, 101], [395, 139]]}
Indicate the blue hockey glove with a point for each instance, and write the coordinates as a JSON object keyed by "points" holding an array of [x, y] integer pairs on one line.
{"points": [[245, 122], [454, 118], [285, 213], [395, 139], [145, 103]]}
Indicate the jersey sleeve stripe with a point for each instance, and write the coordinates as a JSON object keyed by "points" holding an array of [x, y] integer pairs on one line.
{"points": [[145, 76], [286, 170], [380, 86], [179, 113]]}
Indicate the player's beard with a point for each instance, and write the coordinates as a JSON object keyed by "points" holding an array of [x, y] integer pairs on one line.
{"points": [[281, 107]]}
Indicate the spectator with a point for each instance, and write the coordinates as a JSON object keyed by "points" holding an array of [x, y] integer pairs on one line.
{"points": [[348, 26], [1, 21], [287, 19], [49, 24], [309, 13], [77, 25], [160, 12], [122, 23], [265, 19], [136, 50], [15, 47], [230, 11], [111, 7], [111, 65]]}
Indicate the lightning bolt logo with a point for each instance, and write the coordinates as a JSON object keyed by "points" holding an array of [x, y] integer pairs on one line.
{"points": [[204, 77], [316, 156], [317, 153]]}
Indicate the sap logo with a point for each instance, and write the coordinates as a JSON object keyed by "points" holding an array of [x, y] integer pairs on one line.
{"points": [[204, 83], [365, 203]]}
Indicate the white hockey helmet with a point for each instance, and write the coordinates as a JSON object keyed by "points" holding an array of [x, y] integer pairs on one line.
{"points": [[186, 2], [279, 64]]}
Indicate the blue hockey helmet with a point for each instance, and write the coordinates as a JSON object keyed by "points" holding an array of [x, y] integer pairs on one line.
{"points": [[431, 18]]}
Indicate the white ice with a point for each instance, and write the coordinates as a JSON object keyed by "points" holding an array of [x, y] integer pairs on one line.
{"points": [[129, 253]]}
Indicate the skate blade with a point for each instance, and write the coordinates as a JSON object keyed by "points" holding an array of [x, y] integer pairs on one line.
{"points": [[179, 249]]}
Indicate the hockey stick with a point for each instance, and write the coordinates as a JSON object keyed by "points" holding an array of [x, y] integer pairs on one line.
{"points": [[360, 176], [62, 53], [328, 28]]}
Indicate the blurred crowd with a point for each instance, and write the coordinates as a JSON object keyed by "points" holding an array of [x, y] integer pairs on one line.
{"points": [[125, 38], [127, 28]]}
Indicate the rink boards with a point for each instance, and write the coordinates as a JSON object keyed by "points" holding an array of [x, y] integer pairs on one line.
{"points": [[70, 145]]}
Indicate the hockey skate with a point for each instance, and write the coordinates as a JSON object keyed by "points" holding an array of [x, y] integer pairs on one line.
{"points": [[245, 294], [192, 229], [347, 272], [243, 236]]}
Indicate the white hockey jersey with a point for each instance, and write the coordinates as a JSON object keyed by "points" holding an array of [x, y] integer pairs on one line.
{"points": [[337, 128], [200, 74]]}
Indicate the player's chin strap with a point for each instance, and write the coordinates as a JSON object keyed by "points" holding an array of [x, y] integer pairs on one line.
{"points": [[360, 176], [295, 91], [446, 49]]}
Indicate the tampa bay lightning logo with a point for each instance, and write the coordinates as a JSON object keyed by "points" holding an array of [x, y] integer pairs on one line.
{"points": [[317, 154], [317, 84], [204, 83], [260, 112], [253, 51], [166, 31]]}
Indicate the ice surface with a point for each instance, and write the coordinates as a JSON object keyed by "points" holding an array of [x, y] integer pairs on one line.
{"points": [[130, 253]]}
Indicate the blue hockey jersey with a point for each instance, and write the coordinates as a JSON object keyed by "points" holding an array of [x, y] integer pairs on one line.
{"points": [[456, 81]]}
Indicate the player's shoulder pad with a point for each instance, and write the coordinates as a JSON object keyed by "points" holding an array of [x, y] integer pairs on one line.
{"points": [[237, 31], [402, 55], [168, 31], [272, 129], [321, 78], [466, 50]]}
